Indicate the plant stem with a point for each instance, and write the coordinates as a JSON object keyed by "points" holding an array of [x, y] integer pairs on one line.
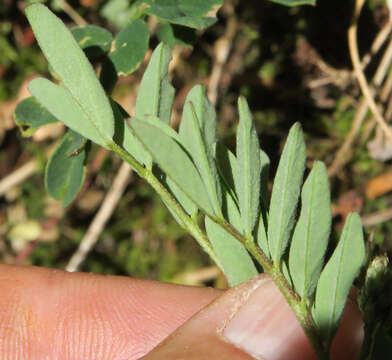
{"points": [[300, 309], [187, 222]]}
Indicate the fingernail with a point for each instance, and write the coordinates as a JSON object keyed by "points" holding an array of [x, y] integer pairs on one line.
{"points": [[264, 324]]}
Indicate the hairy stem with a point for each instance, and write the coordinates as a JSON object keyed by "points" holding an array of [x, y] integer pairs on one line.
{"points": [[187, 222], [300, 309]]}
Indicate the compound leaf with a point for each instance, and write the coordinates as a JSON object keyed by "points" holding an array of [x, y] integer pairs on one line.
{"points": [[198, 132], [248, 168], [130, 47], [72, 67], [30, 115], [173, 159], [311, 233], [236, 262], [65, 171], [285, 192], [337, 277]]}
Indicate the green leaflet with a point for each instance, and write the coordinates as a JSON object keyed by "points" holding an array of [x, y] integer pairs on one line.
{"points": [[236, 262], [65, 171], [72, 67], [191, 13], [248, 169], [198, 132], [176, 35], [295, 2], [311, 233], [227, 166], [173, 160], [261, 235], [154, 100], [130, 47], [285, 193], [188, 205], [156, 94], [337, 277], [60, 103], [94, 40], [264, 176], [30, 115]]}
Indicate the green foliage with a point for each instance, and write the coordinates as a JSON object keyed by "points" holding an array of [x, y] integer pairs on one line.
{"points": [[174, 160], [175, 35], [337, 277], [248, 169], [230, 252], [311, 234], [156, 94], [30, 116], [198, 132], [65, 172], [191, 13], [285, 193], [94, 40], [81, 89], [295, 2], [129, 47], [199, 178]]}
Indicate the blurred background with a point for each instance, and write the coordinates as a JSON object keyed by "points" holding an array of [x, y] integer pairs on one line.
{"points": [[292, 64]]}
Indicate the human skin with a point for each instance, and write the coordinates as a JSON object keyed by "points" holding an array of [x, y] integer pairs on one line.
{"points": [[52, 314]]}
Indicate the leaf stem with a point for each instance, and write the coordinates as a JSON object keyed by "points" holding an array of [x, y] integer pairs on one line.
{"points": [[299, 307], [187, 222]]}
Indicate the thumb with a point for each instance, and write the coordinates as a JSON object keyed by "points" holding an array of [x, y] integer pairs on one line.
{"points": [[253, 321]]}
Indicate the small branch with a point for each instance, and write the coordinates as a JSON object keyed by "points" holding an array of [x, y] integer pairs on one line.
{"points": [[222, 49], [70, 11], [343, 155], [354, 54], [376, 217], [101, 218], [189, 224], [379, 40], [302, 313], [18, 176]]}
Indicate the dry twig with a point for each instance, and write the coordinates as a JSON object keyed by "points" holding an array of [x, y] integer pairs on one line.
{"points": [[353, 47], [101, 218], [70, 11], [377, 217], [19, 175], [222, 49], [343, 154]]}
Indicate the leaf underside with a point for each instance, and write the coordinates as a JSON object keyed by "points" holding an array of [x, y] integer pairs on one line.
{"points": [[285, 193], [65, 171], [30, 115], [311, 233], [74, 70], [173, 160], [248, 168], [337, 277]]}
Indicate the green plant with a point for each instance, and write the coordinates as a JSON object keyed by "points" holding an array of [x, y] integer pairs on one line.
{"points": [[198, 178]]}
